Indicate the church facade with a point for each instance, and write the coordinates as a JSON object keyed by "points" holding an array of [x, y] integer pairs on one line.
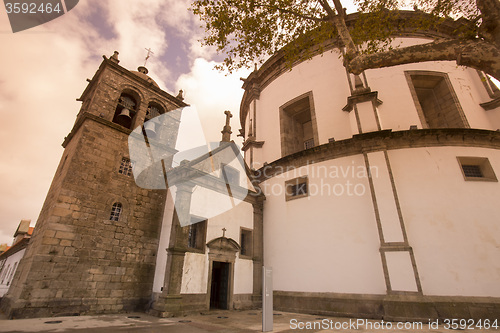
{"points": [[371, 196]]}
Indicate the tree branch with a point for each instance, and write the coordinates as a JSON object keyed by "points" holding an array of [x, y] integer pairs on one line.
{"points": [[472, 53], [339, 22], [490, 14]]}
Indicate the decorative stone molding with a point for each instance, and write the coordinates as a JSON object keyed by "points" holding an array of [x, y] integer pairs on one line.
{"points": [[360, 98], [223, 249], [493, 104], [382, 140]]}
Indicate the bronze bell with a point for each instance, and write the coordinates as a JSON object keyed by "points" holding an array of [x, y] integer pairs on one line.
{"points": [[150, 129], [124, 118]]}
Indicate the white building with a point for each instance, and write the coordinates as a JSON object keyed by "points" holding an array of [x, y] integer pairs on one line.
{"points": [[9, 260], [419, 238]]}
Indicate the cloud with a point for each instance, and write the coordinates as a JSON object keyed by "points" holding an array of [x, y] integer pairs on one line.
{"points": [[213, 92], [44, 71]]}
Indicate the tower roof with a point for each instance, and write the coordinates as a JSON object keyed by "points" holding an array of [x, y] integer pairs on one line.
{"points": [[142, 73]]}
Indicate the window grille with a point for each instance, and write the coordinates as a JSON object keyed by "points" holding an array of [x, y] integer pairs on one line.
{"points": [[308, 143], [116, 211], [125, 167], [472, 171]]}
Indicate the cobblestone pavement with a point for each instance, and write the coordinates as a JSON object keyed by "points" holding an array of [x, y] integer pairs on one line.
{"points": [[219, 321]]}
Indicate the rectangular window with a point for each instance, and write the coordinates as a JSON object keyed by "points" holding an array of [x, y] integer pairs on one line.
{"points": [[436, 102], [197, 233], [246, 243], [298, 125], [296, 188], [476, 169]]}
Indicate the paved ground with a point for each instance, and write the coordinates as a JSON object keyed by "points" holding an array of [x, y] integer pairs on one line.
{"points": [[220, 321]]}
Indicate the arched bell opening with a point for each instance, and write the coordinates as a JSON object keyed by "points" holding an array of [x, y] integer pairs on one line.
{"points": [[154, 110], [126, 109]]}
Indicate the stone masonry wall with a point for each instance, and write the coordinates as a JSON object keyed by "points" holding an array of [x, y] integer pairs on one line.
{"points": [[80, 261]]}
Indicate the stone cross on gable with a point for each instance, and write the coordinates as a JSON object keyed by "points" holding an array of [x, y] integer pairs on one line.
{"points": [[226, 132]]}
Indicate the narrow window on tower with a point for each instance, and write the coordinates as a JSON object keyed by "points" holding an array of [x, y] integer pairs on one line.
{"points": [[126, 110], [296, 188], [125, 167], [116, 211], [246, 243], [476, 169], [197, 234]]}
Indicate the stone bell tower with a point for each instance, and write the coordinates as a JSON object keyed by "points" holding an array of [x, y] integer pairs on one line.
{"points": [[96, 239]]}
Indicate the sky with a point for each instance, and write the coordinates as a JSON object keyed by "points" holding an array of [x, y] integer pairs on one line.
{"points": [[43, 71]]}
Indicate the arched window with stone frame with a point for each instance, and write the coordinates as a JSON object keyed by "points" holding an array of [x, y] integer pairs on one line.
{"points": [[116, 211]]}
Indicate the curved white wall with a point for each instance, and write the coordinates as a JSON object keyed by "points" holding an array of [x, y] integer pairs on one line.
{"points": [[452, 224], [323, 243], [325, 76]]}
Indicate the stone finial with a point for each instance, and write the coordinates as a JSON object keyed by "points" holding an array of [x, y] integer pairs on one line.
{"points": [[226, 131], [114, 57], [142, 69], [179, 95], [359, 87]]}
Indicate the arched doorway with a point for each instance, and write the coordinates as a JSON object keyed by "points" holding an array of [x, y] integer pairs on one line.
{"points": [[221, 254]]}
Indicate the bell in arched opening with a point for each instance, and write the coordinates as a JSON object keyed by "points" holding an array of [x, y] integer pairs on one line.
{"points": [[150, 129], [124, 118], [125, 110]]}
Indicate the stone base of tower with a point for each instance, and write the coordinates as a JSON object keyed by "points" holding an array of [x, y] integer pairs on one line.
{"points": [[388, 307], [18, 309]]}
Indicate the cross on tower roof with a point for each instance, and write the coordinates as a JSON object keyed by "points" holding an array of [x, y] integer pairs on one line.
{"points": [[148, 55]]}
